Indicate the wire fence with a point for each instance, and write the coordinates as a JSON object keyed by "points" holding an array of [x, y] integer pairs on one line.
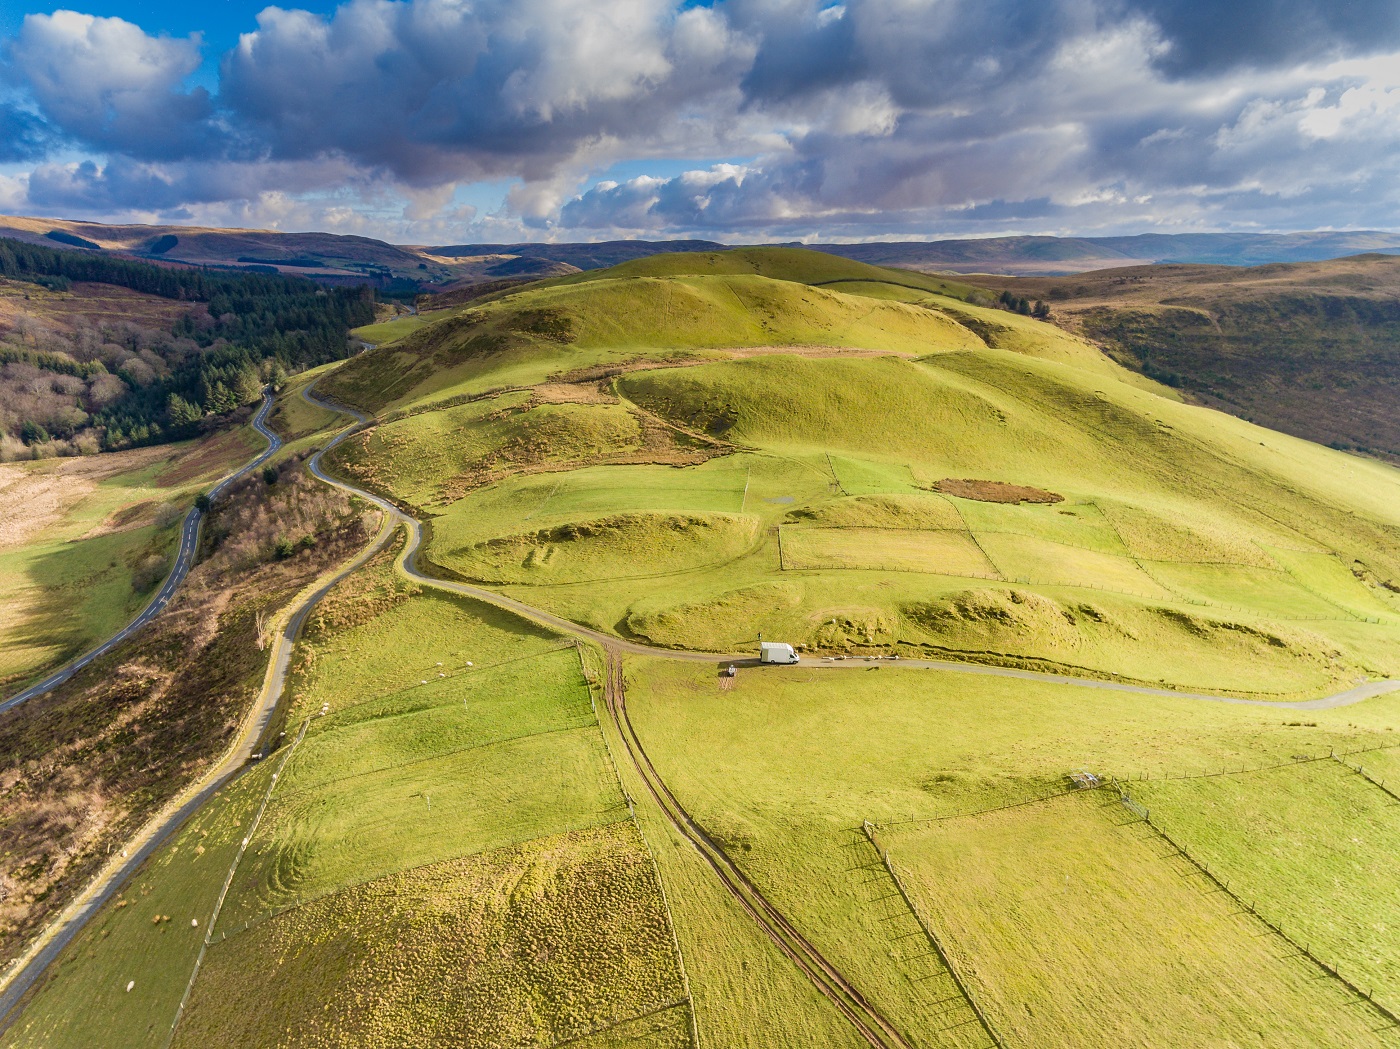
{"points": [[869, 830], [1221, 882]]}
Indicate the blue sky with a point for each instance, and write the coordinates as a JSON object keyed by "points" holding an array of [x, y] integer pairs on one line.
{"points": [[449, 121]]}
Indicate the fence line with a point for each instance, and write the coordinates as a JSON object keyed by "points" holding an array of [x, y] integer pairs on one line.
{"points": [[1378, 783], [1332, 755], [228, 882], [991, 808], [868, 829], [1223, 884]]}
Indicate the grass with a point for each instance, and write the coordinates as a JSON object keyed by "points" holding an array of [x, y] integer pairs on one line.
{"points": [[95, 537], [1260, 342], [402, 775], [1070, 916], [391, 331], [1313, 844], [530, 944], [1044, 561], [784, 766], [947, 552], [86, 991], [302, 425], [1269, 591]]}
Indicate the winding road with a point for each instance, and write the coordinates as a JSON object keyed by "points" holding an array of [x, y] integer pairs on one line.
{"points": [[873, 1027], [29, 966], [184, 559]]}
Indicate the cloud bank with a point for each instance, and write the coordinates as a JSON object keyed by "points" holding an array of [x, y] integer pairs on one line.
{"points": [[749, 119]]}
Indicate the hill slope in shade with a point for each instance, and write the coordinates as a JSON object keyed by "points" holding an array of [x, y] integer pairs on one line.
{"points": [[1312, 348]]}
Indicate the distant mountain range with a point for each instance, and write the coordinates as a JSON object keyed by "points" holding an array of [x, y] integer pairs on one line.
{"points": [[344, 259]]}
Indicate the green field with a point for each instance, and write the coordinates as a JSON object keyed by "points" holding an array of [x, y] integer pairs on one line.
{"points": [[784, 767], [89, 540], [1313, 845], [1056, 915], [521, 945]]}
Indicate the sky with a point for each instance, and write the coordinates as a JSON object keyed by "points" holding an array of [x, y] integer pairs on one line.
{"points": [[470, 121]]}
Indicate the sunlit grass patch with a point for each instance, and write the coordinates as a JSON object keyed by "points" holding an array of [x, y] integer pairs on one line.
{"points": [[1314, 844], [1034, 560], [945, 552]]}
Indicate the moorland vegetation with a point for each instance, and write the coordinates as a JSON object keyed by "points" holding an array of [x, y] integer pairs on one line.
{"points": [[1308, 348]]}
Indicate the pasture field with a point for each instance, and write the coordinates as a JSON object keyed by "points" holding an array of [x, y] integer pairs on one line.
{"points": [[385, 332], [525, 945], [784, 766], [400, 774], [1071, 921], [86, 542], [1048, 563], [948, 552], [1314, 844], [84, 1000]]}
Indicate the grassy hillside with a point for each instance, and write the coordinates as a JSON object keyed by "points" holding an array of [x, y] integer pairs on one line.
{"points": [[695, 449], [1307, 348], [690, 450]]}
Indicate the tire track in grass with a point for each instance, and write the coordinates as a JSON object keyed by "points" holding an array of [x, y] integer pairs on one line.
{"points": [[824, 976]]}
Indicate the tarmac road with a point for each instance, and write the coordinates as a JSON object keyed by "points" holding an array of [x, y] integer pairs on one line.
{"points": [[189, 545]]}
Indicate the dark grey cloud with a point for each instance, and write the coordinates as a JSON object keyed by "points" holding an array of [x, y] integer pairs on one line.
{"points": [[1207, 37], [23, 136]]}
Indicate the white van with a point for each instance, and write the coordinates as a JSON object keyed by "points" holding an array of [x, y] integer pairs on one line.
{"points": [[775, 652]]}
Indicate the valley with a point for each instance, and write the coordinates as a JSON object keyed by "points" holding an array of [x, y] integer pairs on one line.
{"points": [[511, 795]]}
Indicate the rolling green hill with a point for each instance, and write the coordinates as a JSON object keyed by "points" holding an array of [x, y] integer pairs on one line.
{"points": [[694, 449]]}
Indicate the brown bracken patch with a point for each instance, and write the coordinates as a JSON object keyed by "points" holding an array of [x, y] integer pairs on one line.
{"points": [[995, 491]]}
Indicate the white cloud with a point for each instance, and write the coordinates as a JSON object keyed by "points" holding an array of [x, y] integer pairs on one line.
{"points": [[108, 84], [867, 115]]}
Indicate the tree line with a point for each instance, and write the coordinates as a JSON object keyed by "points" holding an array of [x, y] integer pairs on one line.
{"points": [[256, 328]]}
